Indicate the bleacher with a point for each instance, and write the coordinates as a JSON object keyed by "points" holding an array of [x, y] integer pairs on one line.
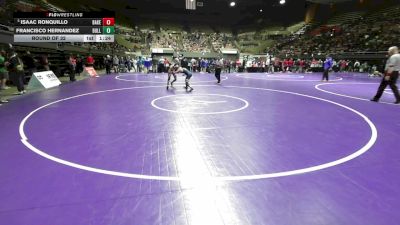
{"points": [[345, 17], [50, 7], [171, 27], [147, 25], [223, 30], [275, 30], [371, 33], [296, 27], [120, 39], [201, 28], [304, 28], [374, 16]]}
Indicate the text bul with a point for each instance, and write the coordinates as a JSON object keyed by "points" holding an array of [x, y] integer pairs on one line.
{"points": [[96, 31]]}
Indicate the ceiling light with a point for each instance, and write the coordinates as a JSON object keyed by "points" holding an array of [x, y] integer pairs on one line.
{"points": [[282, 2], [261, 10], [232, 4]]}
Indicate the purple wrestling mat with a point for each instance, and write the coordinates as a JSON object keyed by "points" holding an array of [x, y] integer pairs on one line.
{"points": [[257, 149]]}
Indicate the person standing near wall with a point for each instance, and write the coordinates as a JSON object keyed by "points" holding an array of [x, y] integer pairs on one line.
{"points": [[79, 64], [44, 62], [139, 64], [3, 72], [16, 70], [30, 63], [90, 61], [72, 67], [116, 64], [108, 62]]}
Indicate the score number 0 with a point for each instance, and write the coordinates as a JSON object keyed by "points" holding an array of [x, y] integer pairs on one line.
{"points": [[108, 21]]}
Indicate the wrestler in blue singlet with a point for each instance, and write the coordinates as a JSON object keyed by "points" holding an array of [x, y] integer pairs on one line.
{"points": [[188, 75]]}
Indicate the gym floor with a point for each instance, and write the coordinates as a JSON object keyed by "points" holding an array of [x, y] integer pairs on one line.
{"points": [[257, 149]]}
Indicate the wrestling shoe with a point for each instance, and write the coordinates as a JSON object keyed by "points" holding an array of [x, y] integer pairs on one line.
{"points": [[374, 100]]}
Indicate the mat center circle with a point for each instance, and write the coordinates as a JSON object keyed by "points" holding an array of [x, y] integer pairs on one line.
{"points": [[200, 104]]}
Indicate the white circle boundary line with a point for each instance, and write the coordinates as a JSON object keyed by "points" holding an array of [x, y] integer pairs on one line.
{"points": [[290, 80], [294, 76], [224, 78], [246, 104], [362, 150], [389, 92], [347, 96]]}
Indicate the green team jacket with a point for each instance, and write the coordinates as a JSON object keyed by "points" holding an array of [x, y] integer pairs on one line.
{"points": [[2, 66]]}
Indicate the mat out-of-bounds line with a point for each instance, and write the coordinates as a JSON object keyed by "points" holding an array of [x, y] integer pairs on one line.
{"points": [[159, 77], [318, 87], [288, 79], [389, 91]]}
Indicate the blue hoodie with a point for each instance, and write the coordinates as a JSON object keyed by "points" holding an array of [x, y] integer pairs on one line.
{"points": [[328, 63]]}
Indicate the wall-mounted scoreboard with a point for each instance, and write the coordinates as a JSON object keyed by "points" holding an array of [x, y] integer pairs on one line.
{"points": [[64, 26]]}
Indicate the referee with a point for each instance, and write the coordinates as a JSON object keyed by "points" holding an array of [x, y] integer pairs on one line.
{"points": [[328, 63], [218, 69], [392, 69]]}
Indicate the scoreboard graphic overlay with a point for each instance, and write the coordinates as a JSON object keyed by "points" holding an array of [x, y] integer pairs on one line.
{"points": [[64, 26]]}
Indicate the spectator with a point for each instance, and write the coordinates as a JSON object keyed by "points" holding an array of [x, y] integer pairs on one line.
{"points": [[16, 70], [128, 63], [3, 72], [29, 63], [79, 64], [90, 61], [108, 62], [134, 64], [139, 64], [116, 64], [71, 67], [44, 62]]}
